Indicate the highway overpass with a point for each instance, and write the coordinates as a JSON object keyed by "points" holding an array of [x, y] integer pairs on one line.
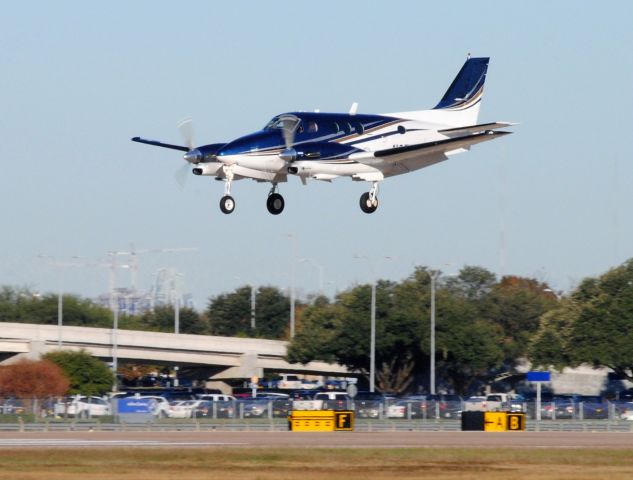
{"points": [[222, 357]]}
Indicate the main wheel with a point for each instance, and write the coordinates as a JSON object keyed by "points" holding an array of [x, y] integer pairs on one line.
{"points": [[275, 203], [366, 205], [227, 204]]}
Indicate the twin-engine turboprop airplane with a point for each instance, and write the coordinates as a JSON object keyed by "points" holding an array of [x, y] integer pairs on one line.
{"points": [[325, 146]]}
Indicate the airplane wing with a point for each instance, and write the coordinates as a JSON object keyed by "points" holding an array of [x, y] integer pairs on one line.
{"points": [[160, 144], [431, 150]]}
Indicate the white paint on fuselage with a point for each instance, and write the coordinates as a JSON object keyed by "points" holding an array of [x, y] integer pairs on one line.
{"points": [[415, 132]]}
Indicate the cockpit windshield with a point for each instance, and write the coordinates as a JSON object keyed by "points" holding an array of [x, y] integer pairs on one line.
{"points": [[283, 122]]}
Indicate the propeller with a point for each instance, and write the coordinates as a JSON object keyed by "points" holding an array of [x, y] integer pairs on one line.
{"points": [[289, 124], [193, 156]]}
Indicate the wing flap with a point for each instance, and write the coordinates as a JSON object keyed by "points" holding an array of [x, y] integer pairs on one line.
{"points": [[432, 149]]}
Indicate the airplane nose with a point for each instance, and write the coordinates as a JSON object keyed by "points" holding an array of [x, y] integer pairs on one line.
{"points": [[193, 156]]}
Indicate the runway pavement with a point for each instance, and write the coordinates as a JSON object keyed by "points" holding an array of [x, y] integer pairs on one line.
{"points": [[317, 439]]}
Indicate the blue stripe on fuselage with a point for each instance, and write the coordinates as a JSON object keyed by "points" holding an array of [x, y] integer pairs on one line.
{"points": [[314, 127]]}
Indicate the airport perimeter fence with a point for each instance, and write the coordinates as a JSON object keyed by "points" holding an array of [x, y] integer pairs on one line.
{"points": [[266, 411]]}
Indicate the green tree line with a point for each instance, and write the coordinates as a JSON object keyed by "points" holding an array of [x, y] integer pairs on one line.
{"points": [[484, 325]]}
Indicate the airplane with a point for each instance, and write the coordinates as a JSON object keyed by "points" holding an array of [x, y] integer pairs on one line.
{"points": [[364, 147]]}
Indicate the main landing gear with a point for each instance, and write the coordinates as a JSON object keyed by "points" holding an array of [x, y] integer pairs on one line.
{"points": [[275, 202], [369, 200]]}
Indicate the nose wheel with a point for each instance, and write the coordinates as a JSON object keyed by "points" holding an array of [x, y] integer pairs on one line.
{"points": [[227, 204]]}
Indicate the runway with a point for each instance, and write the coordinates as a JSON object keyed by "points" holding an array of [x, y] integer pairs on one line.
{"points": [[317, 439]]}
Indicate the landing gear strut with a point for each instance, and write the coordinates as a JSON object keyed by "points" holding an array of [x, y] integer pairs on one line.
{"points": [[227, 204], [275, 202], [369, 200]]}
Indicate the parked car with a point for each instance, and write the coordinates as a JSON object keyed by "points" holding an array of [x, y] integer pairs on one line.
{"points": [[279, 403], [83, 407], [289, 381], [218, 408], [444, 406], [475, 403], [624, 409], [13, 406], [593, 407], [407, 407], [369, 404], [334, 400], [183, 408]]}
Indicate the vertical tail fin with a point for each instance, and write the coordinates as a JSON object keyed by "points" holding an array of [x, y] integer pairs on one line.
{"points": [[468, 86], [460, 104]]}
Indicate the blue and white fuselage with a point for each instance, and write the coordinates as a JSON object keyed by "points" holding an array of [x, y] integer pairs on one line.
{"points": [[326, 146]]}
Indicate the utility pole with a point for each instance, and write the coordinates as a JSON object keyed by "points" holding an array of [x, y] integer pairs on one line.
{"points": [[253, 300], [293, 239]]}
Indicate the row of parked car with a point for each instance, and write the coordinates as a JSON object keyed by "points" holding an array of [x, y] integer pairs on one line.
{"points": [[366, 404]]}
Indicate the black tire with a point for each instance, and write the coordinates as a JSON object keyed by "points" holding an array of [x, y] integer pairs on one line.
{"points": [[275, 203], [366, 205], [227, 204]]}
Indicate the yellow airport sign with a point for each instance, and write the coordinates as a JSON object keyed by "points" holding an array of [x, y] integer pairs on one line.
{"points": [[320, 420]]}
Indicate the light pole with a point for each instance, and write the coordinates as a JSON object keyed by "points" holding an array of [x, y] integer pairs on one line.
{"points": [[433, 274], [60, 310], [253, 302], [293, 239], [253, 305], [372, 335]]}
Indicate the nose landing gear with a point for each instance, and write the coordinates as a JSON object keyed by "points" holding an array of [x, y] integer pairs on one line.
{"points": [[227, 204]]}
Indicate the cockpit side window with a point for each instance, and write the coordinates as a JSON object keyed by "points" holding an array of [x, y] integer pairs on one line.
{"points": [[313, 127]]}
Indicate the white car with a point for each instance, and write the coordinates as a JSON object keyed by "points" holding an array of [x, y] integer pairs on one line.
{"points": [[83, 407], [159, 405], [183, 408]]}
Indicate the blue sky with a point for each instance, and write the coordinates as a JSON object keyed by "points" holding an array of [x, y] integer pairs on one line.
{"points": [[79, 80]]}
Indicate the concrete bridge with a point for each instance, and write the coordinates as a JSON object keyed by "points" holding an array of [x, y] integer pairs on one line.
{"points": [[221, 357]]}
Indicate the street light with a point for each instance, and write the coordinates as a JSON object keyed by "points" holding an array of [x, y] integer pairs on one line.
{"points": [[372, 346], [293, 239], [433, 274], [253, 300]]}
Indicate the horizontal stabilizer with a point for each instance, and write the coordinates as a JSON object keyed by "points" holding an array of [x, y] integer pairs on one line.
{"points": [[160, 144]]}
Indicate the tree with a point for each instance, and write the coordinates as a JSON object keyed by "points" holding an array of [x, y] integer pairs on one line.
{"points": [[516, 305], [595, 326], [33, 379], [229, 314], [341, 332], [162, 319], [87, 374], [21, 305], [472, 283]]}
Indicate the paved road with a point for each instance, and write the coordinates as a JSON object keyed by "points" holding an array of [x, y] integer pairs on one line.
{"points": [[318, 439]]}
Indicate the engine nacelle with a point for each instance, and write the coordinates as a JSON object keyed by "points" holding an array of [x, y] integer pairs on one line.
{"points": [[211, 168]]}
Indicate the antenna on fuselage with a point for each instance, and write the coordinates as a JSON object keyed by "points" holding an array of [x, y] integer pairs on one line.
{"points": [[353, 109]]}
